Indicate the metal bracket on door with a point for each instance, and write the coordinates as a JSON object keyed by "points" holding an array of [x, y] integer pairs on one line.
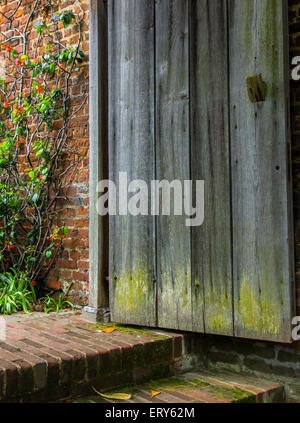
{"points": [[257, 88]]}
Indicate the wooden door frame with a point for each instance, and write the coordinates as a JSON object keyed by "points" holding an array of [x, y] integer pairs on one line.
{"points": [[98, 165]]}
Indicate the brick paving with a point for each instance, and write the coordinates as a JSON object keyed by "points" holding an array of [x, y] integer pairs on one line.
{"points": [[200, 386], [49, 357], [52, 357]]}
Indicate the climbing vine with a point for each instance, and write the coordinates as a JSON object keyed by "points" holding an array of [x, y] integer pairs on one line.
{"points": [[37, 158]]}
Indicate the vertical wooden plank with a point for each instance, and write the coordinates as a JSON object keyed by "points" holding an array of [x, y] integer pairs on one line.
{"points": [[260, 167], [98, 233], [210, 161], [131, 144], [172, 161]]}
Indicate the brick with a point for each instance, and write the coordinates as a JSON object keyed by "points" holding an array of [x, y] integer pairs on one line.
{"points": [[53, 373], [285, 371], [78, 366], [81, 223], [26, 383], [288, 357], [67, 264], [92, 365], [223, 357], [42, 337], [83, 233], [163, 349], [177, 346], [53, 284], [111, 361], [10, 373], [80, 276], [258, 365], [40, 375], [83, 265], [264, 351]]}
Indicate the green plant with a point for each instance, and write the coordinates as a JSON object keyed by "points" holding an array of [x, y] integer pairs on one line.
{"points": [[66, 18], [17, 293], [49, 303], [37, 160]]}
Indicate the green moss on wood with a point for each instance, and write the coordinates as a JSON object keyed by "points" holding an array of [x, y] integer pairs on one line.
{"points": [[132, 291], [258, 312], [218, 310]]}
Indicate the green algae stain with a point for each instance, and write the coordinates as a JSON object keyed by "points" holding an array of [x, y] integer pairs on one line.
{"points": [[236, 394], [184, 281], [133, 290], [175, 297], [260, 313], [259, 31], [218, 310]]}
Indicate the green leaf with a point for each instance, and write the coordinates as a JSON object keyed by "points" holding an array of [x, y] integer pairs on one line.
{"points": [[52, 68]]}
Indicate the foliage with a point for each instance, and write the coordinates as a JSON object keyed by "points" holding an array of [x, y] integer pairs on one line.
{"points": [[37, 161], [16, 293], [50, 304]]}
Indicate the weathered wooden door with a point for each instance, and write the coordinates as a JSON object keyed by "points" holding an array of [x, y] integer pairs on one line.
{"points": [[179, 109]]}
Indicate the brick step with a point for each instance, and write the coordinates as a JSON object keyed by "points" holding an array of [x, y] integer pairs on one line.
{"points": [[56, 356], [200, 386], [50, 357]]}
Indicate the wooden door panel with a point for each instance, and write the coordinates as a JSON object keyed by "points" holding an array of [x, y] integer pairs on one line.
{"points": [[179, 110], [131, 147], [210, 161], [262, 241], [172, 160]]}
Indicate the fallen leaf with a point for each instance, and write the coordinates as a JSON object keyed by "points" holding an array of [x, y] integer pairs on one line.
{"points": [[122, 397], [155, 393], [108, 330]]}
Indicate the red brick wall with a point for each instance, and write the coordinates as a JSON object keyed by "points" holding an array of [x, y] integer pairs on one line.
{"points": [[73, 264], [73, 213]]}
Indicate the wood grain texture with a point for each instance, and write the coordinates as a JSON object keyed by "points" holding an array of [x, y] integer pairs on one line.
{"points": [[178, 110], [263, 296], [210, 161], [172, 161], [131, 146], [98, 161]]}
